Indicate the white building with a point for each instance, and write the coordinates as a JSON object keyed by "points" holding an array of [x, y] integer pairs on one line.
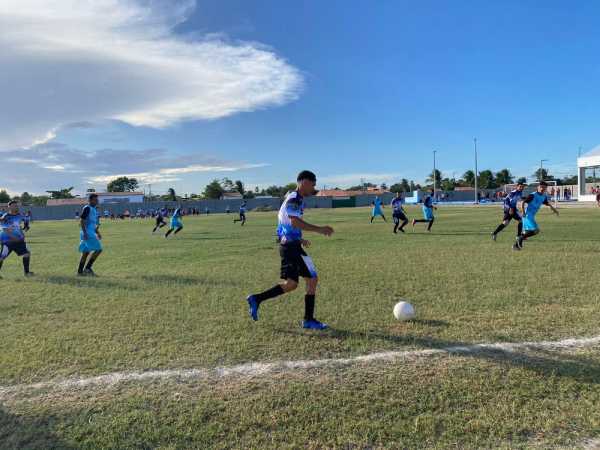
{"points": [[588, 167]]}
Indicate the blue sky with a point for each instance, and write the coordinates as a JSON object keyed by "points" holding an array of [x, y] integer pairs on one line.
{"points": [[350, 89]]}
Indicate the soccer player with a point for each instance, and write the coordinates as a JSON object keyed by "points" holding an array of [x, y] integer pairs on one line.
{"points": [[377, 209], [428, 208], [160, 220], [176, 224], [511, 211], [242, 214], [533, 202], [90, 245], [295, 263], [399, 215], [27, 221], [12, 237]]}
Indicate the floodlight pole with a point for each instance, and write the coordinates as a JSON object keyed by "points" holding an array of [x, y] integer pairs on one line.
{"points": [[476, 189]]}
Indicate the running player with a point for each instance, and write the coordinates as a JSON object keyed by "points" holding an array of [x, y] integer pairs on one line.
{"points": [[90, 236], [295, 263], [377, 209], [27, 221], [12, 237], [511, 211], [176, 224], [534, 202], [160, 220], [242, 214], [428, 208], [399, 215]]}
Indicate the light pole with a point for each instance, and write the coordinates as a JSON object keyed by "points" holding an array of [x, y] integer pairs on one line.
{"points": [[434, 176], [476, 189], [541, 176]]}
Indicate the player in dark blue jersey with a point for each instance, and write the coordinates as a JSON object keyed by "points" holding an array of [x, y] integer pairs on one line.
{"points": [[12, 236], [242, 214], [530, 207], [428, 207], [295, 263], [90, 237], [511, 211], [160, 220], [398, 213]]}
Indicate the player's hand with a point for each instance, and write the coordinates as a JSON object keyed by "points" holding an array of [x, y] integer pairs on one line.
{"points": [[305, 243], [326, 230]]}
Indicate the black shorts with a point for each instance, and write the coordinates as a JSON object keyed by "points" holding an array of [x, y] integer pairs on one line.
{"points": [[160, 220], [399, 216], [20, 248], [295, 263], [242, 216], [508, 216]]}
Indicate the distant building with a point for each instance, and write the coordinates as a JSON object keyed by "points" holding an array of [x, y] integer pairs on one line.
{"points": [[344, 193], [231, 196], [103, 198]]}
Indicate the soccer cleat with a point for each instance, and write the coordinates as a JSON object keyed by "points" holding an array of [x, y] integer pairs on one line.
{"points": [[89, 272], [252, 307], [81, 274], [516, 247], [29, 274], [494, 237], [314, 325]]}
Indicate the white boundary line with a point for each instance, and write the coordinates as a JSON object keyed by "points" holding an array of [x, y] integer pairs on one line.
{"points": [[265, 368]]}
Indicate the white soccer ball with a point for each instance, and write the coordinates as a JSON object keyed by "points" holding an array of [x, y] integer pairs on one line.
{"points": [[404, 311]]}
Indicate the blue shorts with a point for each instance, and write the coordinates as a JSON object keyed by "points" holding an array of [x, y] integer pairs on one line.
{"points": [[92, 244], [428, 213], [176, 223], [377, 212], [529, 224]]}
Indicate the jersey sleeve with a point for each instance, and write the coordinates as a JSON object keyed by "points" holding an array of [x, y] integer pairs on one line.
{"points": [[85, 212], [294, 206]]}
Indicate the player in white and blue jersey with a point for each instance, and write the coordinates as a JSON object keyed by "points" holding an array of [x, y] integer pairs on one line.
{"points": [[295, 263], [242, 214], [511, 211], [428, 207], [399, 215], [530, 207], [90, 245], [176, 224], [377, 209], [12, 236]]}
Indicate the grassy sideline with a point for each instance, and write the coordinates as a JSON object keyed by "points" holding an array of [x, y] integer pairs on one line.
{"points": [[179, 303]]}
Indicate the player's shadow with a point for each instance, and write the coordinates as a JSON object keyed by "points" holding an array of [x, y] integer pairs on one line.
{"points": [[86, 282], [546, 362], [17, 432], [187, 280]]}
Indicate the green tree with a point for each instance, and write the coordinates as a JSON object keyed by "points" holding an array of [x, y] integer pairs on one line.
{"points": [[448, 184], [122, 184], [213, 190], [569, 179], [239, 186], [26, 198], [4, 197], [62, 193], [504, 177], [249, 194], [438, 177], [486, 180], [383, 186], [228, 185], [468, 178], [543, 174]]}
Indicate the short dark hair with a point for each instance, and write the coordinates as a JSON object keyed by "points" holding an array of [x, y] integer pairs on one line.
{"points": [[93, 195], [543, 183], [522, 183], [12, 202], [307, 175]]}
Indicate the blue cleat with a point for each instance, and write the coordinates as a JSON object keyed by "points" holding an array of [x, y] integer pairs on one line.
{"points": [[252, 307], [314, 325]]}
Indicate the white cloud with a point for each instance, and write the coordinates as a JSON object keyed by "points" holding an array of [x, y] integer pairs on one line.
{"points": [[67, 61]]}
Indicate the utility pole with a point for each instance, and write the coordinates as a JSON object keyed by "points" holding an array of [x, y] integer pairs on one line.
{"points": [[476, 173], [434, 176]]}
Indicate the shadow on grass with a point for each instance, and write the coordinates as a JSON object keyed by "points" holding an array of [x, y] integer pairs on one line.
{"points": [[77, 281], [188, 280], [18, 432], [548, 363]]}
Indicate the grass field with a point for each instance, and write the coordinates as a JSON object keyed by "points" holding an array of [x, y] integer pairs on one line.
{"points": [[179, 303]]}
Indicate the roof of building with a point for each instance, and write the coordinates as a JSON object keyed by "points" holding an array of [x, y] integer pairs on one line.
{"points": [[344, 193]]}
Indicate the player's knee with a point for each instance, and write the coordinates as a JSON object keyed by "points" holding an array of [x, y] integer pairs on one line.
{"points": [[289, 285], [311, 284]]}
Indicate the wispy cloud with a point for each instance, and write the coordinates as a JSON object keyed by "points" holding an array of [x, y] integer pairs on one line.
{"points": [[121, 59]]}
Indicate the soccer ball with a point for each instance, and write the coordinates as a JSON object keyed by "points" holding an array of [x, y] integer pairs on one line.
{"points": [[404, 311]]}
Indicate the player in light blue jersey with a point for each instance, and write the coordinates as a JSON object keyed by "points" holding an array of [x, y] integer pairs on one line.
{"points": [[295, 263], [242, 214], [511, 211], [530, 207], [428, 207], [90, 245], [399, 215], [176, 224], [377, 209], [12, 236]]}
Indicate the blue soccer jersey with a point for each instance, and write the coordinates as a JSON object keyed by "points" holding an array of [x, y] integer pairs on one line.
{"points": [[243, 208], [397, 204], [428, 202], [10, 228], [511, 200], [293, 206], [91, 220], [534, 203]]}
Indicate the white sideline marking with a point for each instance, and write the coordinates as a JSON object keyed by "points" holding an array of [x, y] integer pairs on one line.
{"points": [[257, 368]]}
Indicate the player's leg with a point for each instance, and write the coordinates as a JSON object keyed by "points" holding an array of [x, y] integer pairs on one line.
{"points": [[94, 256], [243, 219], [372, 217], [505, 221], [169, 231], [82, 261], [430, 223], [4, 252], [396, 219], [26, 261], [179, 228], [308, 271], [383, 217], [309, 298]]}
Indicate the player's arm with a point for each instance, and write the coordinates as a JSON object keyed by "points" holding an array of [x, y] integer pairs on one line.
{"points": [[84, 215], [297, 222], [525, 202], [554, 210]]}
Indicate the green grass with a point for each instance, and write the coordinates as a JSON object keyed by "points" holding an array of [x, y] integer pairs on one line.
{"points": [[179, 303]]}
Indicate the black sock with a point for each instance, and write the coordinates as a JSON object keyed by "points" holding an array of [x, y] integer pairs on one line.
{"points": [[528, 234], [169, 232], [430, 224], [396, 227], [519, 228], [309, 307], [26, 264], [91, 261], [178, 230], [500, 228], [1, 262], [275, 291], [81, 264], [403, 225]]}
